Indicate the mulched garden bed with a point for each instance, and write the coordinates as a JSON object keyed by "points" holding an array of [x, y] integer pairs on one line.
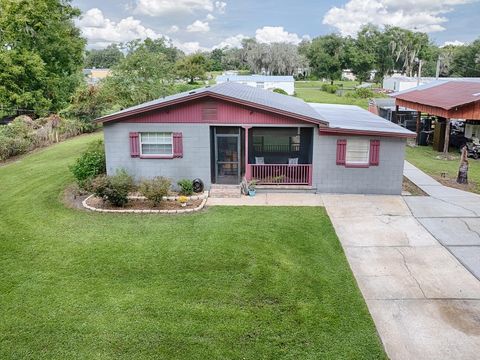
{"points": [[141, 204], [411, 188]]}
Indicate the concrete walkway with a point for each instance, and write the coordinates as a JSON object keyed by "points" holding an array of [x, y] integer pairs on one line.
{"points": [[270, 199], [452, 216], [424, 303]]}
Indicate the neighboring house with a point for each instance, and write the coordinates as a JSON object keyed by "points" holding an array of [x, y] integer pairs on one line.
{"points": [[223, 133], [93, 76], [267, 82], [348, 74], [401, 83]]}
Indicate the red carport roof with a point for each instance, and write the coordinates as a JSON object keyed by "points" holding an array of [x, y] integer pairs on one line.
{"points": [[444, 95]]}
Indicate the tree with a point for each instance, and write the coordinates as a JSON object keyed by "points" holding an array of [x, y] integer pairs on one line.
{"points": [[144, 74], [327, 56], [45, 30], [103, 58], [88, 103], [216, 57], [466, 60], [192, 67], [22, 81]]}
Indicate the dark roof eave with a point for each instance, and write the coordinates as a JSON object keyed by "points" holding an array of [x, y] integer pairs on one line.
{"points": [[447, 108], [340, 131], [113, 117]]}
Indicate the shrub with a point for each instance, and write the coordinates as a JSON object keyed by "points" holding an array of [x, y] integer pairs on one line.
{"points": [[280, 91], [90, 164], [13, 146], [332, 89], [113, 189], [361, 93], [186, 187], [155, 189]]}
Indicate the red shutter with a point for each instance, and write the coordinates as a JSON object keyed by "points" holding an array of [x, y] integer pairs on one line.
{"points": [[177, 145], [374, 152], [134, 145], [341, 151]]}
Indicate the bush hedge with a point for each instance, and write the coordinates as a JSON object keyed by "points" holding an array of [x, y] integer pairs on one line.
{"points": [[89, 165], [332, 89], [280, 91], [155, 189], [186, 187], [24, 134], [114, 189]]}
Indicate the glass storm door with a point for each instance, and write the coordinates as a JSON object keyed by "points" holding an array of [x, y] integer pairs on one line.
{"points": [[227, 156]]}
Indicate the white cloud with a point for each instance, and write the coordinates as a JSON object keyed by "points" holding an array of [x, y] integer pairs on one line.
{"points": [[173, 29], [453, 43], [220, 6], [231, 42], [273, 34], [198, 26], [190, 47], [100, 31], [210, 17], [165, 7], [420, 15]]}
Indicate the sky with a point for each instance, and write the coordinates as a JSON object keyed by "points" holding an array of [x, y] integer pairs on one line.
{"points": [[197, 25]]}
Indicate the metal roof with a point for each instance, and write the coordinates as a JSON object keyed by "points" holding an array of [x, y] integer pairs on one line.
{"points": [[346, 117], [424, 79], [234, 91], [442, 94], [256, 78], [354, 118]]}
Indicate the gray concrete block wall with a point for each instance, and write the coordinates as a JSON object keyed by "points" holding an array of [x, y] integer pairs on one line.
{"points": [[386, 178], [196, 152], [327, 176]]}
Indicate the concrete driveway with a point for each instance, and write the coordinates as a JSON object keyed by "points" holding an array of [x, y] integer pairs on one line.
{"points": [[452, 216], [424, 303]]}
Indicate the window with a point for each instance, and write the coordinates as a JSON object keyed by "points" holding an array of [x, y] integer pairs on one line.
{"points": [[358, 152], [260, 85], [156, 144]]}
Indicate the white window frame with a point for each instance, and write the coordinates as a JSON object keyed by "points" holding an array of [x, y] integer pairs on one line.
{"points": [[358, 146], [142, 142]]}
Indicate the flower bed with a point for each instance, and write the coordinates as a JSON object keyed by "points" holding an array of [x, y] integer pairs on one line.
{"points": [[139, 204]]}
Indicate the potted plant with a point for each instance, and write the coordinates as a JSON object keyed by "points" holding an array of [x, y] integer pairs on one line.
{"points": [[252, 186], [183, 200]]}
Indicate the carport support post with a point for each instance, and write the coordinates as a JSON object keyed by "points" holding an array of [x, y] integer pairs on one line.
{"points": [[248, 174], [419, 116], [447, 137]]}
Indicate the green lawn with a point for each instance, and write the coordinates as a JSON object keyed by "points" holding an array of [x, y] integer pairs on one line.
{"points": [[426, 159], [318, 84], [224, 283], [310, 92]]}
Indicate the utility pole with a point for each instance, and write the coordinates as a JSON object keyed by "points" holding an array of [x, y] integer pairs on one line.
{"points": [[419, 72], [437, 71]]}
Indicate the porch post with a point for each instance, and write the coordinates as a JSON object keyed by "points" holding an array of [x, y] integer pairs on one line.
{"points": [[248, 174], [447, 137]]}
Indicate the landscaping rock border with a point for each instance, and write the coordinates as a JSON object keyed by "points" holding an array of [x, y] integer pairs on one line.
{"points": [[202, 197]]}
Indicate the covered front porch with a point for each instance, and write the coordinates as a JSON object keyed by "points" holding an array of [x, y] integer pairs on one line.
{"points": [[279, 155], [267, 155]]}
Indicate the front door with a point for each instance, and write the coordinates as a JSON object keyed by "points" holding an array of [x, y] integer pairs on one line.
{"points": [[227, 155]]}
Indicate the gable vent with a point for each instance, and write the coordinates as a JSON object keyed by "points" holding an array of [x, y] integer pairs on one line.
{"points": [[209, 111]]}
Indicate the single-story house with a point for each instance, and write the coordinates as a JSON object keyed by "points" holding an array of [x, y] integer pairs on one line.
{"points": [[267, 82], [223, 133], [398, 82], [93, 76]]}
